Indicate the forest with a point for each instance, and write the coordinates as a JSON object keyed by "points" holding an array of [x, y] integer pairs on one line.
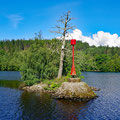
{"points": [[39, 59]]}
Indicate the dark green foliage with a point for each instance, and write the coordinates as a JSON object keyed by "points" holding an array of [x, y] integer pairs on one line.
{"points": [[40, 62], [9, 53], [39, 59]]}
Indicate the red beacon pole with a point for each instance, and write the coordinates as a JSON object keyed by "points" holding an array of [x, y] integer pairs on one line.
{"points": [[73, 72]]}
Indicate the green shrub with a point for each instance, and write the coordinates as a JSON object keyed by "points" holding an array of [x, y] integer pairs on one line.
{"points": [[39, 63]]}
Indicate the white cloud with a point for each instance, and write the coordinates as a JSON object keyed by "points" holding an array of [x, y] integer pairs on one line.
{"points": [[99, 39], [15, 19]]}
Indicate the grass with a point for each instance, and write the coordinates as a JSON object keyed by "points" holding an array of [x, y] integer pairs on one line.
{"points": [[54, 84]]}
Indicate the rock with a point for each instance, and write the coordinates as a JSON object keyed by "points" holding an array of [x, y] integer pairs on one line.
{"points": [[35, 88], [75, 90], [21, 86], [74, 80], [95, 89]]}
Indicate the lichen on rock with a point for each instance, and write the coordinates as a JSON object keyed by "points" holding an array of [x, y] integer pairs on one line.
{"points": [[77, 90], [35, 88]]}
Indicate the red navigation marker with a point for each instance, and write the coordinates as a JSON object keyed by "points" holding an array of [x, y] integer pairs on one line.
{"points": [[73, 72]]}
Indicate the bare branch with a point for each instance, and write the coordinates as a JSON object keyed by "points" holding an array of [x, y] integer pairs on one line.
{"points": [[56, 32], [58, 27], [61, 20], [70, 28]]}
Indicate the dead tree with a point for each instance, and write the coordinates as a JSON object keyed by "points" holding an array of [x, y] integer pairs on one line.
{"points": [[63, 29]]}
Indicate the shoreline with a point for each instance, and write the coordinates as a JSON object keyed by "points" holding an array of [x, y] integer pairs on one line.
{"points": [[67, 94]]}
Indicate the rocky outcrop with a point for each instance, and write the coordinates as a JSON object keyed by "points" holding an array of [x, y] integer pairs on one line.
{"points": [[75, 90], [68, 90], [35, 88], [95, 89]]}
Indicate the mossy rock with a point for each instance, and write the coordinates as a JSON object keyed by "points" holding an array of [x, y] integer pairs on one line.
{"points": [[74, 80], [76, 90]]}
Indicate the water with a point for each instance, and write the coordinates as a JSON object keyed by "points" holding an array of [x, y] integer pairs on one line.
{"points": [[11, 75], [19, 105]]}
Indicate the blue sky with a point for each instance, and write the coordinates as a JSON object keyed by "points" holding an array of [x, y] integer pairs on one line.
{"points": [[22, 18]]}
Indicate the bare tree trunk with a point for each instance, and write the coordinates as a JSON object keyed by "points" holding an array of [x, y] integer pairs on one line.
{"points": [[65, 19], [61, 59]]}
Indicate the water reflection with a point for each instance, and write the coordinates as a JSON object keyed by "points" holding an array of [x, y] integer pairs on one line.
{"points": [[70, 109], [35, 106], [43, 107], [10, 83]]}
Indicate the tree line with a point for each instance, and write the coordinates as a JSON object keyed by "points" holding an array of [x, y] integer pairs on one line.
{"points": [[38, 60], [15, 53]]}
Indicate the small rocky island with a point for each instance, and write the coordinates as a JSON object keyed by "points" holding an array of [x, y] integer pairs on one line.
{"points": [[67, 90], [73, 89]]}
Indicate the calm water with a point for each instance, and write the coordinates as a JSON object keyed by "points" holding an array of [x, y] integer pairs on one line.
{"points": [[18, 105]]}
